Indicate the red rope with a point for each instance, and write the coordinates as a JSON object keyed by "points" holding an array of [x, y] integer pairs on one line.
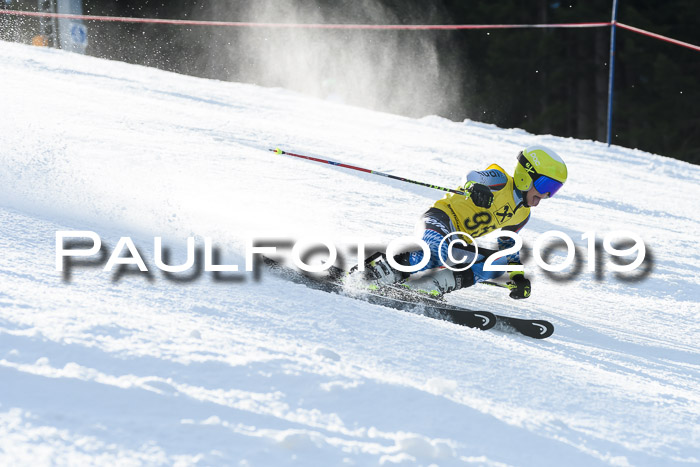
{"points": [[658, 36], [301, 25], [346, 26]]}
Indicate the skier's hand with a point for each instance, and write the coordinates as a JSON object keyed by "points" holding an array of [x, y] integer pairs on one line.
{"points": [[519, 287], [480, 194]]}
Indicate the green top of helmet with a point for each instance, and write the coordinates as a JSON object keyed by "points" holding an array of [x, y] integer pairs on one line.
{"points": [[538, 160]]}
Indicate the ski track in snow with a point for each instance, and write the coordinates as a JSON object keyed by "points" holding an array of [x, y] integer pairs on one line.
{"points": [[144, 370]]}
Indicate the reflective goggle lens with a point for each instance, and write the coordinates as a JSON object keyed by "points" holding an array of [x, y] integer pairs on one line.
{"points": [[544, 185]]}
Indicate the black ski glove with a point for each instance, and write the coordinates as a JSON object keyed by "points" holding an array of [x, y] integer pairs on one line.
{"points": [[480, 194], [519, 287]]}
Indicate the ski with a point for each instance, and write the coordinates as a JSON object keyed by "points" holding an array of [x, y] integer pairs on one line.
{"points": [[399, 299], [535, 328]]}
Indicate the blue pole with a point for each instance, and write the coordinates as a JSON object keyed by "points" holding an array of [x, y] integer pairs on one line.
{"points": [[611, 76]]}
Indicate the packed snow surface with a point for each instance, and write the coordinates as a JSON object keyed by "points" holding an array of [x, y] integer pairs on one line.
{"points": [[139, 368]]}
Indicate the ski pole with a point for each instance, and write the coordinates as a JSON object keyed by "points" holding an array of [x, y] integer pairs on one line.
{"points": [[496, 284], [347, 166]]}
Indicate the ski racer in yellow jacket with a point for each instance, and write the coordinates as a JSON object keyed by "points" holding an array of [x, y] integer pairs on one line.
{"points": [[494, 201]]}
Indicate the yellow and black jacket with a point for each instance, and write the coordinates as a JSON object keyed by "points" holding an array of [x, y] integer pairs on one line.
{"points": [[506, 212]]}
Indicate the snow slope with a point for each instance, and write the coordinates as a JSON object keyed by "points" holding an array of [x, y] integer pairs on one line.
{"points": [[140, 369]]}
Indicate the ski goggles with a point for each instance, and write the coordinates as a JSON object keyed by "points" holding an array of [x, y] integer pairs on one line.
{"points": [[542, 183]]}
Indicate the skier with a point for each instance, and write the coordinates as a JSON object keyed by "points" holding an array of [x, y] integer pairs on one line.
{"points": [[495, 200]]}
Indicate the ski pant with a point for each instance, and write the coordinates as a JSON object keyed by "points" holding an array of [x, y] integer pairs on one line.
{"points": [[435, 225]]}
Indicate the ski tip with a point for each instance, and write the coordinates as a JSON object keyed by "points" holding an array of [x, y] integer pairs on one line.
{"points": [[543, 329], [534, 328]]}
